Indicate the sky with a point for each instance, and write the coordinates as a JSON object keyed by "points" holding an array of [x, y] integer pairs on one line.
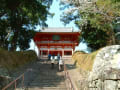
{"points": [[55, 22]]}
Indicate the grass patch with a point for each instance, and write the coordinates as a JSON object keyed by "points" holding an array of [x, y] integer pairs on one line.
{"points": [[11, 60], [84, 61]]}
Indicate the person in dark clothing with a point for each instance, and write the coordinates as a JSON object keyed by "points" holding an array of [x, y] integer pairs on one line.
{"points": [[58, 59], [58, 56], [49, 57]]}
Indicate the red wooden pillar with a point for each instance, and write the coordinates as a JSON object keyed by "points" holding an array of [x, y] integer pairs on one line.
{"points": [[63, 49], [48, 47]]}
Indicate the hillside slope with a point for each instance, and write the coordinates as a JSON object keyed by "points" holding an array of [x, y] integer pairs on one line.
{"points": [[11, 60], [83, 60]]}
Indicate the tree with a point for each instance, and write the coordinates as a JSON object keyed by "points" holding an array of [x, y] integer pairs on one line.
{"points": [[3, 34], [20, 17], [100, 13], [94, 37]]}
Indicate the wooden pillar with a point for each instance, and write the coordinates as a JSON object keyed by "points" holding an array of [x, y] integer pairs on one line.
{"points": [[63, 52], [41, 53], [48, 50], [38, 53], [48, 46], [72, 51], [63, 49]]}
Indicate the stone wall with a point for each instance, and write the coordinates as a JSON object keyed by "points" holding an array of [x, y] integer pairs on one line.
{"points": [[109, 80], [105, 74]]}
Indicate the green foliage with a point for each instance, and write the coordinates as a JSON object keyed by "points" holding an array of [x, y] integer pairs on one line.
{"points": [[101, 14], [94, 36], [18, 19], [3, 33]]}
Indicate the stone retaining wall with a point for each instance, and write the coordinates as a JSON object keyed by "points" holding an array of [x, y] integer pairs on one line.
{"points": [[109, 80], [105, 74]]}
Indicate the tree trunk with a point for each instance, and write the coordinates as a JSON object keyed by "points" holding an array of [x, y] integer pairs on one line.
{"points": [[111, 40]]}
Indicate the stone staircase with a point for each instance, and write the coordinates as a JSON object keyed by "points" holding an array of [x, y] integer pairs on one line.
{"points": [[42, 77]]}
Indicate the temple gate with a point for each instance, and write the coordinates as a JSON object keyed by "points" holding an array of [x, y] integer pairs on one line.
{"points": [[56, 40]]}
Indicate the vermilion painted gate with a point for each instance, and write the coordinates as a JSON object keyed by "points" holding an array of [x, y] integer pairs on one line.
{"points": [[56, 40]]}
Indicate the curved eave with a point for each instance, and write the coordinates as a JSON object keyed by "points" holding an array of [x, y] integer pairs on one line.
{"points": [[41, 34], [57, 44]]}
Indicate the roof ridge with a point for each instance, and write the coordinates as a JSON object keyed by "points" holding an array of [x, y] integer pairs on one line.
{"points": [[57, 29]]}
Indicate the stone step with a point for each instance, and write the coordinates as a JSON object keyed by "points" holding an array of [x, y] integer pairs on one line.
{"points": [[46, 88], [43, 78], [61, 82], [52, 81], [41, 74], [46, 80], [56, 76], [47, 76], [47, 84]]}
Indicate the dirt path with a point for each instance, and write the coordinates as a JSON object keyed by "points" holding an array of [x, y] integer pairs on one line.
{"points": [[74, 74]]}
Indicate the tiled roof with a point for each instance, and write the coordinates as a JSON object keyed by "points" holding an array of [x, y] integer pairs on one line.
{"points": [[60, 29]]}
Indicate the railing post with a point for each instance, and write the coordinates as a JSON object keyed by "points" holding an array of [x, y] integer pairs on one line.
{"points": [[15, 84], [70, 85], [23, 81]]}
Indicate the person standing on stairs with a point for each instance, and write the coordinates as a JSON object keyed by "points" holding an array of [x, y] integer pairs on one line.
{"points": [[52, 61], [49, 57], [61, 63], [58, 58]]}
